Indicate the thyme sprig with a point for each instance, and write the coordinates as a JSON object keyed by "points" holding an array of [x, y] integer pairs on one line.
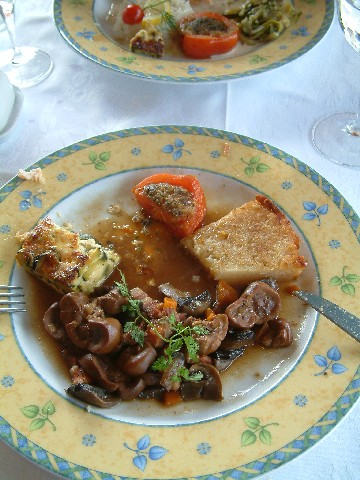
{"points": [[182, 336]]}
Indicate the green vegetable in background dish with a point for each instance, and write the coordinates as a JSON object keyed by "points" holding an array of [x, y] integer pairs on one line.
{"points": [[261, 21]]}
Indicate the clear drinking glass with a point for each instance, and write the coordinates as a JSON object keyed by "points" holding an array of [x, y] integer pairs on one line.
{"points": [[337, 136], [28, 65]]}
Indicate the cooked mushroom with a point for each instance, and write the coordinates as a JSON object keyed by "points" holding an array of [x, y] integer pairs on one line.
{"points": [[72, 306], [129, 390], [222, 359], [152, 392], [93, 395], [208, 388], [258, 304], [272, 282], [78, 334], [104, 334], [236, 339], [191, 305], [274, 334], [52, 323], [135, 360], [101, 371]]}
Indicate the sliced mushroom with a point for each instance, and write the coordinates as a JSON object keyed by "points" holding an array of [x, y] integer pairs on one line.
{"points": [[72, 306], [274, 334], [101, 371], [93, 395], [152, 392], [272, 282], [258, 304], [78, 334], [104, 334], [152, 378], [208, 388], [135, 360], [153, 389], [222, 359], [78, 375], [236, 339], [192, 305], [131, 389], [52, 323]]}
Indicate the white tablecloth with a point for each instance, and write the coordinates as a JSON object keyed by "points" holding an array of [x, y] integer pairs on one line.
{"points": [[81, 99]]}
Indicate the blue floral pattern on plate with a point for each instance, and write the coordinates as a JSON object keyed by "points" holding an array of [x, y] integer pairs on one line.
{"points": [[330, 362], [30, 199], [143, 452], [300, 400], [314, 212], [176, 150]]}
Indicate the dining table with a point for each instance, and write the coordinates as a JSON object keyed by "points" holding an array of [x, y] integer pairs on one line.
{"points": [[81, 99]]}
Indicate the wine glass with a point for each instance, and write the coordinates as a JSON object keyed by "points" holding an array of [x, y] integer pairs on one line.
{"points": [[337, 136], [28, 65]]}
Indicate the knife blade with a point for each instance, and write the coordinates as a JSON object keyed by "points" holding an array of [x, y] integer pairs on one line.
{"points": [[338, 315]]}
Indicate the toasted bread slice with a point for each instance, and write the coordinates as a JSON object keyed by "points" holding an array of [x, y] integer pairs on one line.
{"points": [[252, 242], [65, 260]]}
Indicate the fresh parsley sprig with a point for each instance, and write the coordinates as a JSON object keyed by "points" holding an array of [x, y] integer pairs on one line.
{"points": [[132, 308], [182, 336]]}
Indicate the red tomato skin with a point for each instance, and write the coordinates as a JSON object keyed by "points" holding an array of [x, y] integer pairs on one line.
{"points": [[132, 14], [179, 227], [204, 46]]}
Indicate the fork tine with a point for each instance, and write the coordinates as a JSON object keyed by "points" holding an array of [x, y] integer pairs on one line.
{"points": [[10, 286], [7, 299], [2, 295], [11, 310], [12, 302]]}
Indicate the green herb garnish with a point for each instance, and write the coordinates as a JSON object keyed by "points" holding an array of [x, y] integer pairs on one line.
{"points": [[132, 308], [182, 336], [166, 17]]}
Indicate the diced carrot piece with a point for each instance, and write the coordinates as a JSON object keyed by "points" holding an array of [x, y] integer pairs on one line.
{"points": [[225, 294], [292, 288], [172, 397], [170, 303], [210, 314]]}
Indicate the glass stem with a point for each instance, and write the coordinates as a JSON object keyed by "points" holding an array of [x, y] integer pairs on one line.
{"points": [[7, 11]]}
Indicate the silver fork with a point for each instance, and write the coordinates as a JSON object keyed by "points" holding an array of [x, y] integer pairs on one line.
{"points": [[11, 299]]}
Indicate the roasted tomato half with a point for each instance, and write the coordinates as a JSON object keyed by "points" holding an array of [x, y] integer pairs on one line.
{"points": [[205, 34], [176, 200]]}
